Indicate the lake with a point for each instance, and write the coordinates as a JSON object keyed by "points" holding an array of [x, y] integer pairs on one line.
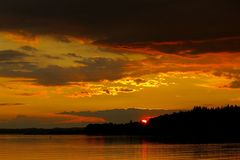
{"points": [[79, 147]]}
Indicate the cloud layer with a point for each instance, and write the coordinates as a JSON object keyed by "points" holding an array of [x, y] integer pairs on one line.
{"points": [[89, 70], [127, 23]]}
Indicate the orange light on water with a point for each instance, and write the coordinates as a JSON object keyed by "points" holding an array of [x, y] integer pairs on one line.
{"points": [[144, 121]]}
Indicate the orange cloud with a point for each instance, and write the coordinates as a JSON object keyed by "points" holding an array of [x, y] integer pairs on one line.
{"points": [[24, 38]]}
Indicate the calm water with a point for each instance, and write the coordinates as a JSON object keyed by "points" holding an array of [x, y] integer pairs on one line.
{"points": [[17, 147]]}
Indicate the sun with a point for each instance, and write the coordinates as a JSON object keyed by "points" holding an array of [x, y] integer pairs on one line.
{"points": [[144, 121]]}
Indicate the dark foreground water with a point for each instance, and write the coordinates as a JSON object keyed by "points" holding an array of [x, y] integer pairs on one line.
{"points": [[20, 147]]}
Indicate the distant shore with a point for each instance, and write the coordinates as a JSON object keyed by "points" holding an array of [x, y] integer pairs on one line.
{"points": [[43, 131], [199, 125]]}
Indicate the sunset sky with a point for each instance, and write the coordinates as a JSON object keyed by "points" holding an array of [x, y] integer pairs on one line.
{"points": [[70, 56]]}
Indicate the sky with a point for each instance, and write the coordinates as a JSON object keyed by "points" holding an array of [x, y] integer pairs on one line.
{"points": [[59, 59]]}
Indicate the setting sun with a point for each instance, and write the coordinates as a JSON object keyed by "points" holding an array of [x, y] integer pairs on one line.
{"points": [[144, 121]]}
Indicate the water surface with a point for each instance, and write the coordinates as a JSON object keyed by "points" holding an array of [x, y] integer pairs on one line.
{"points": [[22, 147]]}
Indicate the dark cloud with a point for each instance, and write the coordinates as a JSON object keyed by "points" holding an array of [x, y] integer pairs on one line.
{"points": [[52, 57], [229, 45], [10, 68], [139, 81], [123, 115], [11, 104], [62, 38], [9, 55], [235, 84], [125, 90], [91, 69], [73, 55], [127, 22], [231, 73], [29, 48], [27, 94]]}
